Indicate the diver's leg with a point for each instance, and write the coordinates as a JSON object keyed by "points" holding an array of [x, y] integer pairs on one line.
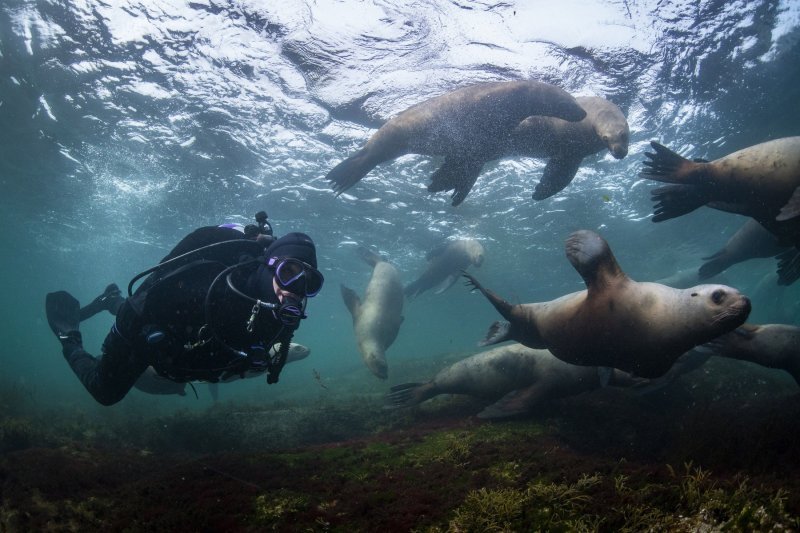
{"points": [[108, 378]]}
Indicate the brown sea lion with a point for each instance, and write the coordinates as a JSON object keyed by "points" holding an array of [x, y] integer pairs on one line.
{"points": [[760, 181], [565, 143], [617, 322], [520, 377], [445, 264], [468, 126], [750, 241], [769, 345], [376, 318]]}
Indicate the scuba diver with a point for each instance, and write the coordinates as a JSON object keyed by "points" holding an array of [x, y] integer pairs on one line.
{"points": [[211, 309]]}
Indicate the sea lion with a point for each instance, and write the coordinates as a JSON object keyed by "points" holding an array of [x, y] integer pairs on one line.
{"points": [[445, 263], [468, 126], [519, 376], [565, 143], [750, 241], [376, 319], [153, 383], [769, 345], [759, 181], [617, 322]]}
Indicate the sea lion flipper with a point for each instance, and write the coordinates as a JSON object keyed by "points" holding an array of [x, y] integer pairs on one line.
{"points": [[676, 200], [369, 257], [665, 165], [351, 300], [350, 171], [403, 395], [792, 207], [591, 256], [446, 176], [447, 283], [788, 266], [514, 403], [498, 332], [713, 265], [557, 174]]}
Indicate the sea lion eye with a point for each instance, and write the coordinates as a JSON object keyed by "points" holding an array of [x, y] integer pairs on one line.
{"points": [[718, 296]]}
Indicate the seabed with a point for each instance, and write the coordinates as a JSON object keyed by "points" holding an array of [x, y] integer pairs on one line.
{"points": [[714, 451]]}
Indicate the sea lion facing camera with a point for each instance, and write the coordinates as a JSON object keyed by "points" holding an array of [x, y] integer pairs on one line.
{"points": [[617, 322], [468, 126]]}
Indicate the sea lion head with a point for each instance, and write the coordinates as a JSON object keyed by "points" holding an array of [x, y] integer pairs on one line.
{"points": [[610, 124], [725, 308], [475, 252]]}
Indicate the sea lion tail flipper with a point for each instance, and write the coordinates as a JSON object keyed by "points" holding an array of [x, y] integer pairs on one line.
{"points": [[350, 171], [369, 257], [447, 283], [792, 207], [676, 200], [666, 165], [403, 395], [557, 174], [498, 332], [714, 264], [351, 300], [788, 266]]}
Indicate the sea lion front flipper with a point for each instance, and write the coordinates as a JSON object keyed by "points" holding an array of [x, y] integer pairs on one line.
{"points": [[792, 207], [591, 256], [714, 264], [788, 266], [676, 200], [351, 300], [515, 403], [458, 174], [557, 174]]}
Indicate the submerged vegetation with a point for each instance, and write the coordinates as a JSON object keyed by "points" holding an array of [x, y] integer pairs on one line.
{"points": [[686, 459]]}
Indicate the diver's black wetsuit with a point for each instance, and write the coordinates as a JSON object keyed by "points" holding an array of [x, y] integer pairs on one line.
{"points": [[167, 324]]}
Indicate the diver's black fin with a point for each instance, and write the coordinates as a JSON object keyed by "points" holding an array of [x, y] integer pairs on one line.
{"points": [[63, 312]]}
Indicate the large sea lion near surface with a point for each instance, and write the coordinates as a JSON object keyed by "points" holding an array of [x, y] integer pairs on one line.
{"points": [[617, 322], [376, 318], [445, 263], [468, 126], [760, 181], [565, 143], [520, 377], [750, 241]]}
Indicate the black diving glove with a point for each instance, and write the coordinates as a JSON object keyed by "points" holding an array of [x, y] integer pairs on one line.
{"points": [[63, 314], [110, 301]]}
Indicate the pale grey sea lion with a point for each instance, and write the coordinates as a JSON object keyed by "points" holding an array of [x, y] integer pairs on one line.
{"points": [[617, 322], [376, 318], [760, 181], [769, 345], [565, 143], [520, 377], [445, 264], [750, 241], [468, 126], [152, 383]]}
